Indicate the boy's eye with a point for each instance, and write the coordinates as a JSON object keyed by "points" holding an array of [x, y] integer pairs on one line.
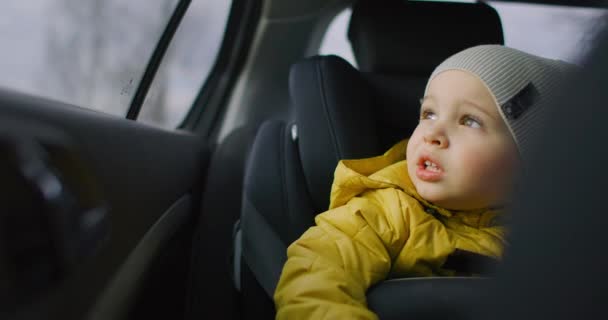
{"points": [[470, 122], [427, 115]]}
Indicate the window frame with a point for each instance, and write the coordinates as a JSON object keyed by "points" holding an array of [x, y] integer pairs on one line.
{"points": [[156, 58], [208, 104]]}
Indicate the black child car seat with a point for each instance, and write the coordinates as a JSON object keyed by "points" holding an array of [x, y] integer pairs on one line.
{"points": [[342, 112]]}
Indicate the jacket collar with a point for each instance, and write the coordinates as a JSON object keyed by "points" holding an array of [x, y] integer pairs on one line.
{"points": [[352, 177]]}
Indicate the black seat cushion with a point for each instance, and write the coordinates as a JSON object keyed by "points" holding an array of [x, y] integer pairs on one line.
{"points": [[426, 298], [275, 187]]}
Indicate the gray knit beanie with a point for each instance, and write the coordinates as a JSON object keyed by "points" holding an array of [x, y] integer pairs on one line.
{"points": [[521, 83]]}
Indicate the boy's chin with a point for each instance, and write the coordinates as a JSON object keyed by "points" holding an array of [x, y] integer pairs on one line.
{"points": [[442, 200], [435, 197]]}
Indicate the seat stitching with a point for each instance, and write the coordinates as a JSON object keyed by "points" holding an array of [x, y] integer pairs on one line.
{"points": [[282, 159], [325, 107]]}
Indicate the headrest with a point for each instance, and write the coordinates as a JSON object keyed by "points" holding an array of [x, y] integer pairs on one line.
{"points": [[344, 114], [398, 36], [334, 120]]}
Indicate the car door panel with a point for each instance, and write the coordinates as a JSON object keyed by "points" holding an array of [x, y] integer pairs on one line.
{"points": [[116, 300], [150, 179]]}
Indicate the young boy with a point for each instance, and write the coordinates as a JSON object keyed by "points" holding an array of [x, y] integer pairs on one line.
{"points": [[392, 217]]}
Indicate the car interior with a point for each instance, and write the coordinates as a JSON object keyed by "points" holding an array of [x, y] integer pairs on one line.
{"points": [[108, 218]]}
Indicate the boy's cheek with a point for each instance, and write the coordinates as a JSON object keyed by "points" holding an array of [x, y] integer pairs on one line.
{"points": [[487, 171], [409, 151]]}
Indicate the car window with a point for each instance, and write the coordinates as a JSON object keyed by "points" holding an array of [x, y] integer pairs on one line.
{"points": [[335, 41], [187, 63], [556, 32], [84, 52], [93, 53]]}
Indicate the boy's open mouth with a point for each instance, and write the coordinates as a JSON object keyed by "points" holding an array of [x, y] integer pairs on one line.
{"points": [[431, 166], [428, 169]]}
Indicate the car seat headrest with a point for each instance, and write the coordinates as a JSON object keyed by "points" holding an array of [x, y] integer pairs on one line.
{"points": [[342, 113], [397, 36], [333, 117]]}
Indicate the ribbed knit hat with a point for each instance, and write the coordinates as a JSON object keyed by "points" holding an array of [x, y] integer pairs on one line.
{"points": [[522, 84]]}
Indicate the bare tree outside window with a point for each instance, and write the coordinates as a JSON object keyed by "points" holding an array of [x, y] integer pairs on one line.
{"points": [[97, 51], [187, 64], [93, 53]]}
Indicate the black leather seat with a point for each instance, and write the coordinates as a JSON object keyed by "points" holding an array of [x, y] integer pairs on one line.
{"points": [[341, 112]]}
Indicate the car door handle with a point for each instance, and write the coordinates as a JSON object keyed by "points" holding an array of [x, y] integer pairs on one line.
{"points": [[53, 215]]}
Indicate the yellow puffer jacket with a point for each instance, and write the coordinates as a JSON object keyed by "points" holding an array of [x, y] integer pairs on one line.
{"points": [[376, 227]]}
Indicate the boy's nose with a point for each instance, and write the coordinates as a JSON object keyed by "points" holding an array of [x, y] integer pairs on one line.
{"points": [[436, 137]]}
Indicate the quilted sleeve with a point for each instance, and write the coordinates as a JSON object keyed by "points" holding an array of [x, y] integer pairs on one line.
{"points": [[330, 268]]}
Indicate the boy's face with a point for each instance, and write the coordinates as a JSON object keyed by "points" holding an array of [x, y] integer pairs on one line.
{"points": [[461, 155]]}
